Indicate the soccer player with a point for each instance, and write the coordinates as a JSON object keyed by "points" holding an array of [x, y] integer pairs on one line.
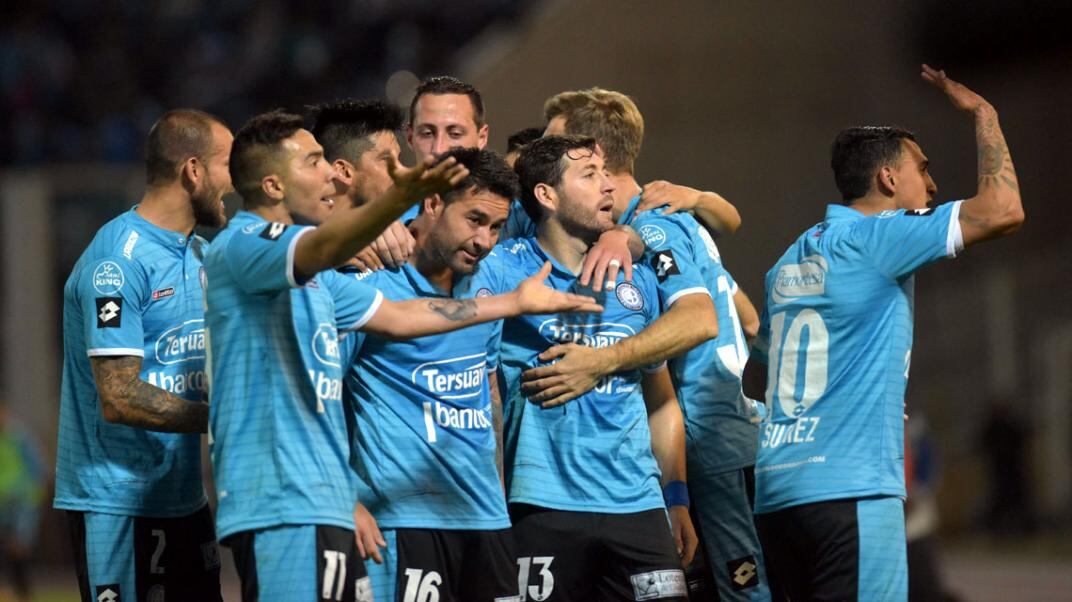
{"points": [[360, 140], [424, 439], [446, 113], [128, 463], [583, 480], [721, 423], [837, 331], [274, 309], [518, 140]]}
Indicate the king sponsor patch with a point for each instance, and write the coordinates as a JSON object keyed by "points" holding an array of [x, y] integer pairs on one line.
{"points": [[108, 278]]}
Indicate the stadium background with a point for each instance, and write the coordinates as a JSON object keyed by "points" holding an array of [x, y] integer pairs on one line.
{"points": [[742, 98]]}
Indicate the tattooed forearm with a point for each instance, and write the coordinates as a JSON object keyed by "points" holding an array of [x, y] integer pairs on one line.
{"points": [[455, 310], [126, 399], [995, 163]]}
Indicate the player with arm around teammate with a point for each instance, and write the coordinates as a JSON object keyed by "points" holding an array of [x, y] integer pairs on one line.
{"points": [[273, 310], [837, 333], [584, 480]]}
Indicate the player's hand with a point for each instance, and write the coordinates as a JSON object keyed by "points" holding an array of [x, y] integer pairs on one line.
{"points": [[609, 255], [677, 198], [576, 372], [367, 260], [427, 177], [367, 533], [961, 97], [535, 297], [394, 246], [684, 533]]}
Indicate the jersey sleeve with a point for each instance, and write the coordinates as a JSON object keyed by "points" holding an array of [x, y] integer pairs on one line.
{"points": [[262, 259], [355, 302], [114, 294], [673, 256], [901, 242]]}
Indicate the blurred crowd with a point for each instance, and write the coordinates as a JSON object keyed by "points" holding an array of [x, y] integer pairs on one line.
{"points": [[83, 81]]}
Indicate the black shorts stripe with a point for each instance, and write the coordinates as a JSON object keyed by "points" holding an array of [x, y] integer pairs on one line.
{"points": [[76, 521]]}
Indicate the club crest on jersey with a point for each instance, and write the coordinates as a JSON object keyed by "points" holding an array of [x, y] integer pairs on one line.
{"points": [[273, 231], [804, 279], [109, 312], [483, 292], [919, 212], [629, 296], [108, 278], [653, 236], [665, 264]]}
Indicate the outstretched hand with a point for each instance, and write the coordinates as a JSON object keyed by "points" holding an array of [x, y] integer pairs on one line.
{"points": [[960, 95], [427, 177], [535, 297]]}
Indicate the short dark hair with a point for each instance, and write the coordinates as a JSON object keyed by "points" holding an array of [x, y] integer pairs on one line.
{"points": [[256, 145], [859, 152], [519, 139], [345, 128], [445, 84], [488, 171], [178, 135], [543, 161]]}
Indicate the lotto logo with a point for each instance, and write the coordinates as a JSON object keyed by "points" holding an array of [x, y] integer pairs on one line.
{"points": [[273, 231], [109, 312], [743, 573], [108, 593]]}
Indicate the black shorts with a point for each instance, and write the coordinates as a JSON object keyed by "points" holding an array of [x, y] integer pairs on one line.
{"points": [[300, 562], [586, 556], [446, 565], [850, 549], [127, 558]]}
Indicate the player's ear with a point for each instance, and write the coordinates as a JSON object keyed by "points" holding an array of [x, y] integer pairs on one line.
{"points": [[482, 136], [344, 171], [272, 186], [547, 196], [192, 171], [886, 181], [409, 134], [433, 205]]}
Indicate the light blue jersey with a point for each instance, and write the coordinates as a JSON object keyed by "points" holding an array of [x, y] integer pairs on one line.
{"points": [[518, 223], [837, 331], [594, 453], [278, 443], [135, 291], [423, 439], [720, 422]]}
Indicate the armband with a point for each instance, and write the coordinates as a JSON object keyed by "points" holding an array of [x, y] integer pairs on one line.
{"points": [[676, 493]]}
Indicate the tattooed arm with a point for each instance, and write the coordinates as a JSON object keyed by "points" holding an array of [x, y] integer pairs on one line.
{"points": [[423, 317], [126, 399], [996, 210]]}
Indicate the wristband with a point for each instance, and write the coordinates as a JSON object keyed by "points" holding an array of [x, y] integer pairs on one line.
{"points": [[676, 493]]}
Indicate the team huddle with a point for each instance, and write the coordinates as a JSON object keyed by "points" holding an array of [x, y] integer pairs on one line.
{"points": [[488, 378]]}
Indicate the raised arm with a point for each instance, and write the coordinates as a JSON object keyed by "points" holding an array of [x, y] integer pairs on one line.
{"points": [[422, 317], [717, 214], [338, 239], [996, 209], [126, 399], [668, 446], [691, 320]]}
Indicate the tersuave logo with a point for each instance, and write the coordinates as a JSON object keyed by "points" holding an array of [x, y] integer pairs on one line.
{"points": [[453, 379], [181, 343], [326, 344], [598, 335]]}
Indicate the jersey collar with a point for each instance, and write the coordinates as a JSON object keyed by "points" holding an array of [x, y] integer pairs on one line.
{"points": [[543, 256], [838, 212], [164, 237], [630, 212]]}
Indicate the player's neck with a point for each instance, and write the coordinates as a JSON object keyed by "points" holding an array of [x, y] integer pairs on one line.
{"points": [[568, 250], [169, 208], [273, 213], [874, 202], [625, 188], [427, 263]]}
